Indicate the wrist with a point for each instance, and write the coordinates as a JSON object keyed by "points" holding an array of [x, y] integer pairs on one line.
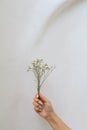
{"points": [[50, 116]]}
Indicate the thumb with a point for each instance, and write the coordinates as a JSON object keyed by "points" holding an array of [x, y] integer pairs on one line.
{"points": [[43, 98]]}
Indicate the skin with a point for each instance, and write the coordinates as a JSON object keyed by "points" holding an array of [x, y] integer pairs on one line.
{"points": [[44, 108]]}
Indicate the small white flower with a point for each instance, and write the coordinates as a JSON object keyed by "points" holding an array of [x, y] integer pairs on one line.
{"points": [[41, 71]]}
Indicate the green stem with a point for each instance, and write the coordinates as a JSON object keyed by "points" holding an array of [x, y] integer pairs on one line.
{"points": [[38, 86]]}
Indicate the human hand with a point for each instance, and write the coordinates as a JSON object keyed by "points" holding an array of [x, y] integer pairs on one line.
{"points": [[42, 106]]}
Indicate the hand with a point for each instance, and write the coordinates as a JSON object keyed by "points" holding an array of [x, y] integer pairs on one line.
{"points": [[42, 106]]}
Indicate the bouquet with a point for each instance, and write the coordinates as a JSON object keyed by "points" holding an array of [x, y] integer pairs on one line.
{"points": [[41, 71]]}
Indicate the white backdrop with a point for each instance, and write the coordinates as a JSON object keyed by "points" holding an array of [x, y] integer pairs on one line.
{"points": [[55, 30]]}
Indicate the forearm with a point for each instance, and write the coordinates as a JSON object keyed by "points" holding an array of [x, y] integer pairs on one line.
{"points": [[56, 123]]}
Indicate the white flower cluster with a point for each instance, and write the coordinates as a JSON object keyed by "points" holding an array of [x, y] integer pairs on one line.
{"points": [[41, 71]]}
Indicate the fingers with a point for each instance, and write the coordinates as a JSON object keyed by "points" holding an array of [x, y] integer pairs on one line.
{"points": [[38, 104]]}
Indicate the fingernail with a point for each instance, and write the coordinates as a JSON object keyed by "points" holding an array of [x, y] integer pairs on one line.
{"points": [[41, 103], [41, 107], [37, 96]]}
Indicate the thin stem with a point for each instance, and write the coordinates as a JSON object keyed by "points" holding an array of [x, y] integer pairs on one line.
{"points": [[38, 85], [45, 77]]}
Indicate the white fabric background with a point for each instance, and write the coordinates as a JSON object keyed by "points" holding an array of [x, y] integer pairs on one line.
{"points": [[55, 30]]}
